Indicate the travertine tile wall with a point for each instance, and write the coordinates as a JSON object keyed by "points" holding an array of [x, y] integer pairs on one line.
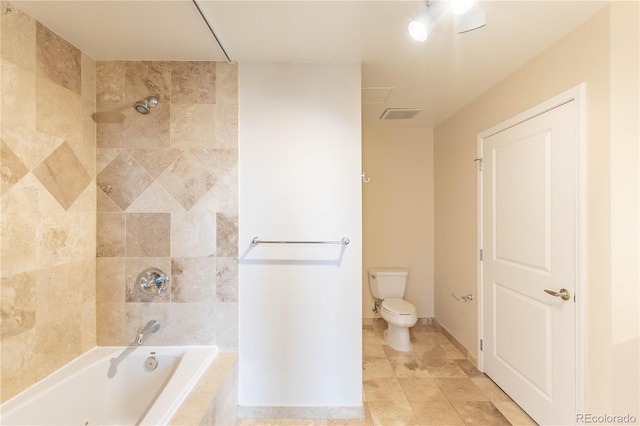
{"points": [[167, 198], [48, 202]]}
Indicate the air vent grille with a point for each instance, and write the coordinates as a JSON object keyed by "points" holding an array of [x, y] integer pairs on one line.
{"points": [[399, 113]]}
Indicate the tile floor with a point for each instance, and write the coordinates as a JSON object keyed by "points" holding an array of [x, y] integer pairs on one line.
{"points": [[433, 384]]}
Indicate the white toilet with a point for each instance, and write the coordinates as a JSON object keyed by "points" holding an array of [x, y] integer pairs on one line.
{"points": [[388, 285]]}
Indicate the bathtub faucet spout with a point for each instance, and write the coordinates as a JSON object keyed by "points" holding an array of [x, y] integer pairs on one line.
{"points": [[151, 327]]}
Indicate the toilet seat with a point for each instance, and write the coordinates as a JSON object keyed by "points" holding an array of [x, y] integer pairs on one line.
{"points": [[397, 306]]}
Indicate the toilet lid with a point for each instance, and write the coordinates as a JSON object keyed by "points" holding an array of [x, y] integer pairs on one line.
{"points": [[398, 306]]}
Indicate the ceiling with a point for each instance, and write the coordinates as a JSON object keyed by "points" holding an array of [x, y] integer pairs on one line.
{"points": [[438, 76]]}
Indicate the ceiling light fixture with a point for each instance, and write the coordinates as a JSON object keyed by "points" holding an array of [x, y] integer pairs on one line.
{"points": [[460, 7], [422, 25]]}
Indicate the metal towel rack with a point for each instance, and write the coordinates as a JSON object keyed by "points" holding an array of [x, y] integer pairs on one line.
{"points": [[343, 241]]}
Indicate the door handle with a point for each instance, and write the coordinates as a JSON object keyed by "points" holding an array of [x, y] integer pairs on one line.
{"points": [[563, 293]]}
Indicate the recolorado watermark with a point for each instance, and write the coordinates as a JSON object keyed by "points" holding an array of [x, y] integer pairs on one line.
{"points": [[610, 419]]}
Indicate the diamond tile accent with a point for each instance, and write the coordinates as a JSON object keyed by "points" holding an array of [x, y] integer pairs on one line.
{"points": [[187, 180], [63, 175], [12, 169], [156, 161], [123, 180]]}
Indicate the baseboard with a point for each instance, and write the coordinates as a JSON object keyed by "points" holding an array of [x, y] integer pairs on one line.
{"points": [[471, 357], [301, 412]]}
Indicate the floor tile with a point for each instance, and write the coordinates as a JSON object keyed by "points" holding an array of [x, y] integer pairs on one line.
{"points": [[431, 351], [436, 413], [514, 413], [492, 390], [444, 368], [480, 413], [386, 413], [413, 368], [384, 389], [421, 389], [373, 350], [468, 368], [376, 369], [462, 390]]}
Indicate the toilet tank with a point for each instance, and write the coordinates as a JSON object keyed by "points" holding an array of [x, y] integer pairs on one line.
{"points": [[387, 282]]}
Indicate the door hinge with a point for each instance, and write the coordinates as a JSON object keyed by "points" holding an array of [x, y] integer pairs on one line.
{"points": [[481, 255], [481, 344]]}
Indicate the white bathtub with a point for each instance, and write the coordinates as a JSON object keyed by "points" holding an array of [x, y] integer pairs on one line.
{"points": [[112, 386]]}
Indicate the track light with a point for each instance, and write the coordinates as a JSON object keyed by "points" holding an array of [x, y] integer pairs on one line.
{"points": [[459, 7], [420, 27]]}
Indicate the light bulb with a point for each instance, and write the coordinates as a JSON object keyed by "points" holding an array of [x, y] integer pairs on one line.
{"points": [[417, 30], [458, 7]]}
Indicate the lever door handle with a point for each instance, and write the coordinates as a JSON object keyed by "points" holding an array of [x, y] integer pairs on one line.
{"points": [[563, 293]]}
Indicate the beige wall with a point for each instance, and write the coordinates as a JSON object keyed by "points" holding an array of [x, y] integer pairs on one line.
{"points": [[398, 210], [582, 56], [625, 205], [48, 202], [167, 198]]}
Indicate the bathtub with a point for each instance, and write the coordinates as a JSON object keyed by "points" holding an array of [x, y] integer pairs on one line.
{"points": [[112, 386]]}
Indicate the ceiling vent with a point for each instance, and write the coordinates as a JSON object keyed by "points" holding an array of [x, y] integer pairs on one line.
{"points": [[399, 113]]}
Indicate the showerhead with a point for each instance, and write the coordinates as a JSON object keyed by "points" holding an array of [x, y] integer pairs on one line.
{"points": [[144, 106]]}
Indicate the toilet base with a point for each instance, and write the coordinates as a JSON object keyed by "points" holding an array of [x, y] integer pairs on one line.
{"points": [[398, 337]]}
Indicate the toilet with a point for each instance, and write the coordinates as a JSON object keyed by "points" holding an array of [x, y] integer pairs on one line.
{"points": [[387, 286]]}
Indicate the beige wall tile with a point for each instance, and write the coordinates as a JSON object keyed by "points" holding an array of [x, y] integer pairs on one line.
{"points": [[193, 235], [193, 279], [57, 60], [18, 37], [150, 131], [18, 97], [86, 202], [20, 233], [226, 83], [187, 321], [104, 156], [110, 81], [111, 320], [156, 161], [58, 111], [222, 163], [88, 76], [18, 366], [30, 146], [226, 235], [105, 204], [193, 126], [155, 199], [110, 284], [12, 169], [218, 200], [147, 78], [123, 180], [63, 175], [227, 279], [227, 325], [187, 180], [110, 235], [58, 287], [226, 126], [57, 343], [148, 234], [66, 237], [193, 82], [18, 304], [88, 329]]}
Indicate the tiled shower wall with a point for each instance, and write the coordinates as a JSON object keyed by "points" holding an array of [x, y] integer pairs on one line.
{"points": [[48, 216], [167, 198]]}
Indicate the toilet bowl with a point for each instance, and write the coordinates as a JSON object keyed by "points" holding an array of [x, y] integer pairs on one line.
{"points": [[399, 315], [388, 285]]}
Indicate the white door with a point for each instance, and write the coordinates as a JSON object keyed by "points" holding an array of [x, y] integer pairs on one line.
{"points": [[528, 237]]}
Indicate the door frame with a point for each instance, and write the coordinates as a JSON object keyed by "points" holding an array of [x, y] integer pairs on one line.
{"points": [[576, 94]]}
